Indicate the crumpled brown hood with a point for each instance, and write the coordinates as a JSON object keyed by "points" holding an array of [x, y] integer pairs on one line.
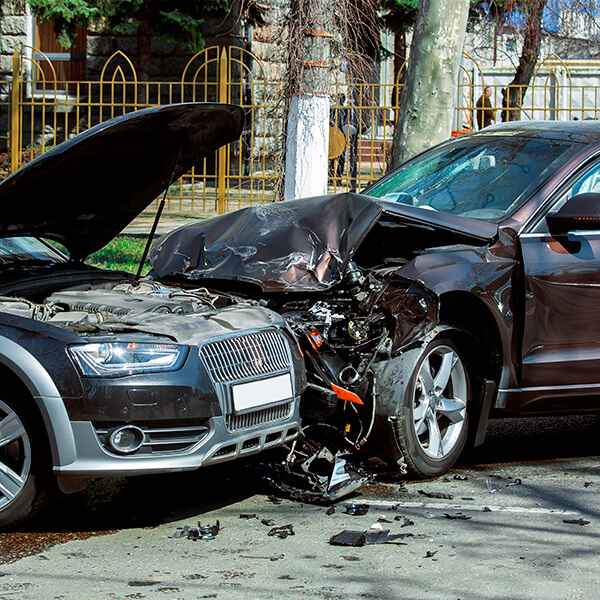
{"points": [[300, 245], [89, 188]]}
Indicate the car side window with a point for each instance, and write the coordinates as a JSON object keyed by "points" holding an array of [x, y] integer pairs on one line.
{"points": [[588, 181]]}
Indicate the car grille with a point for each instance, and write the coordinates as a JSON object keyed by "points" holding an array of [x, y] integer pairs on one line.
{"points": [[234, 422], [159, 439], [246, 356]]}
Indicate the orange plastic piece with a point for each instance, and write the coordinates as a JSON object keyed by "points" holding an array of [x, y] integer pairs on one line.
{"points": [[346, 395]]}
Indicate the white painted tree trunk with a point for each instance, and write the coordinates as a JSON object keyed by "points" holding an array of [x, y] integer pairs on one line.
{"points": [[307, 147], [428, 97]]}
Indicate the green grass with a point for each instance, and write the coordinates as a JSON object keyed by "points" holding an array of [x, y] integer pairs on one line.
{"points": [[121, 254]]}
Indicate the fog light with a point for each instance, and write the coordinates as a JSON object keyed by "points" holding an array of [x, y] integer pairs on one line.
{"points": [[126, 439]]}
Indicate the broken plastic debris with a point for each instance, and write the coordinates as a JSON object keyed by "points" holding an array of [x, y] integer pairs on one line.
{"points": [[364, 538], [356, 510], [330, 510], [515, 481], [248, 516], [457, 516], [439, 495], [268, 522], [201, 532], [460, 477], [588, 484], [383, 519], [581, 522], [282, 531], [405, 522], [430, 553]]}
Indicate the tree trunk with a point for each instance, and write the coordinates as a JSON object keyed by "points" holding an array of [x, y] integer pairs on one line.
{"points": [[513, 95], [307, 131], [399, 67], [428, 95]]}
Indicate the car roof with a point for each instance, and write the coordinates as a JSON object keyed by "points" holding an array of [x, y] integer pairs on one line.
{"points": [[586, 132]]}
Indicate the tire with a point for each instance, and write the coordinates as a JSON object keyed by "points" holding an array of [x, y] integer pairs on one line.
{"points": [[416, 408], [25, 477]]}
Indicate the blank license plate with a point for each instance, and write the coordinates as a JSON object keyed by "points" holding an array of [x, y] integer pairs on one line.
{"points": [[259, 393]]}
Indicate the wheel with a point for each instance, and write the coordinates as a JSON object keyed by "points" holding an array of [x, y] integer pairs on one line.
{"points": [[22, 466], [430, 429]]}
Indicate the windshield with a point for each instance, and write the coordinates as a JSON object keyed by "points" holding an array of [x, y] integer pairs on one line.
{"points": [[480, 177], [26, 251]]}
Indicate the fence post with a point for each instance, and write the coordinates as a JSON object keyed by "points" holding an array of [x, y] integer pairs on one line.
{"points": [[15, 109], [222, 162]]}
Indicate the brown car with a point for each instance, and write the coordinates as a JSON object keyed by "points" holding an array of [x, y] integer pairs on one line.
{"points": [[464, 285]]}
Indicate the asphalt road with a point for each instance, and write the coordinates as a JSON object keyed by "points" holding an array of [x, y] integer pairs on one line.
{"points": [[514, 545]]}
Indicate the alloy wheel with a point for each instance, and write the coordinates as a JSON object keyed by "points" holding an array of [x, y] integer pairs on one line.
{"points": [[15, 455], [440, 402]]}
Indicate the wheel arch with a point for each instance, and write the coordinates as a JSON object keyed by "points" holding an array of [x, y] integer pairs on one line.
{"points": [[26, 370]]}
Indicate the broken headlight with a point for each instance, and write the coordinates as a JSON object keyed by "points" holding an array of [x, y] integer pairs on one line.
{"points": [[117, 359]]}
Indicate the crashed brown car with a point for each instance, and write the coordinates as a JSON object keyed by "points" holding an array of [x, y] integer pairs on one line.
{"points": [[463, 286]]}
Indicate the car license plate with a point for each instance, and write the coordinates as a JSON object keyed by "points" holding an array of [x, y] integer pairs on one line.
{"points": [[259, 393]]}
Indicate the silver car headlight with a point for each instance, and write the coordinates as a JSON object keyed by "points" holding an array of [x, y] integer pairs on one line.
{"points": [[117, 359]]}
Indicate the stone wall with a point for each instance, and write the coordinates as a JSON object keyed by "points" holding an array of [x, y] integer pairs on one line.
{"points": [[13, 33]]}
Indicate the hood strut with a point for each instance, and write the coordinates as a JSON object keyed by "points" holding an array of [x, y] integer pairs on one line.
{"points": [[157, 217]]}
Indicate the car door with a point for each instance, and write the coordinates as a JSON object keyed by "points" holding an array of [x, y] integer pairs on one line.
{"points": [[561, 336]]}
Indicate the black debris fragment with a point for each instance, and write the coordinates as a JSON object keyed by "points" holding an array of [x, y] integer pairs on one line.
{"points": [[430, 553], [588, 484], [457, 516], [486, 509], [143, 583], [515, 481], [351, 558], [460, 477], [439, 495], [382, 519], [330, 510], [405, 522], [581, 522], [356, 510], [282, 532], [248, 516], [201, 532], [365, 538], [268, 522]]}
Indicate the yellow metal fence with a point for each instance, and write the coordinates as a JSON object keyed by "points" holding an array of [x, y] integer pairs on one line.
{"points": [[45, 111]]}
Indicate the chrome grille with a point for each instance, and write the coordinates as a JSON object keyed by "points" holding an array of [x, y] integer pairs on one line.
{"points": [[234, 422], [246, 356]]}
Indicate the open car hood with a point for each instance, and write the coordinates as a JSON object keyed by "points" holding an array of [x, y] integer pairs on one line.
{"points": [[300, 245], [88, 189]]}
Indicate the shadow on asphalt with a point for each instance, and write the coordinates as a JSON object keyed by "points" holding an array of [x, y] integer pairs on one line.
{"points": [[538, 439]]}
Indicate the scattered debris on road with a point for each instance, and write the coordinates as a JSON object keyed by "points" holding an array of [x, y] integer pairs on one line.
{"points": [[440, 495], [282, 532], [405, 522], [368, 537], [201, 532], [581, 522], [430, 553], [248, 516], [356, 510], [457, 516]]}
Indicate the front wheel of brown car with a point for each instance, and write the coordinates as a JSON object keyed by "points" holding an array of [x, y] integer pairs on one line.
{"points": [[430, 430], [23, 472]]}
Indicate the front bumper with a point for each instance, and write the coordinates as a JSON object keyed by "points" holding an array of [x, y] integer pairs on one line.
{"points": [[217, 446]]}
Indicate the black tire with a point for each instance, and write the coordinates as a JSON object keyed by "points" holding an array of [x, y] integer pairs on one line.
{"points": [[397, 439], [34, 494]]}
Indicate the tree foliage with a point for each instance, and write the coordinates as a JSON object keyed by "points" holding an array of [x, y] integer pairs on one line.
{"points": [[176, 21]]}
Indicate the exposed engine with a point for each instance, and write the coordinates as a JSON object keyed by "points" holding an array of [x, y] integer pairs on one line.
{"points": [[84, 311], [341, 335]]}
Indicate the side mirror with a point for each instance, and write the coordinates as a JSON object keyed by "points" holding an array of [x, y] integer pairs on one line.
{"points": [[580, 213]]}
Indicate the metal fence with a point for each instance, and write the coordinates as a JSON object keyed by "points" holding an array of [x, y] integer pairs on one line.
{"points": [[45, 111]]}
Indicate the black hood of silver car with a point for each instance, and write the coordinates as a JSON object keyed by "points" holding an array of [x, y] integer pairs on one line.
{"points": [[300, 245], [88, 189]]}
